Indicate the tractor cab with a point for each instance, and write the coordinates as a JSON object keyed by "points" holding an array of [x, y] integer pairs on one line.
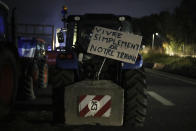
{"points": [[80, 27], [31, 47]]}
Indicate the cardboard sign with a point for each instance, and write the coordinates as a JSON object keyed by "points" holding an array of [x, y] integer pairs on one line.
{"points": [[114, 44]]}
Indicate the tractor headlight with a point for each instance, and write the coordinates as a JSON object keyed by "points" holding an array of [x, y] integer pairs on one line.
{"points": [[76, 18], [122, 18]]}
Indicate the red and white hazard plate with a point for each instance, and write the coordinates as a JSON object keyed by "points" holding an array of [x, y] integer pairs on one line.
{"points": [[94, 105]]}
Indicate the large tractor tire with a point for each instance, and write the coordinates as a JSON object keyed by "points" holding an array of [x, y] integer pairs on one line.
{"points": [[43, 75], [29, 81], [29, 86], [8, 81], [61, 78], [135, 97], [35, 72]]}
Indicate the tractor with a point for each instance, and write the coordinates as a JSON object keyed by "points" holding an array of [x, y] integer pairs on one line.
{"points": [[8, 62], [33, 64], [23, 67], [94, 89]]}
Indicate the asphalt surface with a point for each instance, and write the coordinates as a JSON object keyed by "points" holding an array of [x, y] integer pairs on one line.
{"points": [[177, 108], [172, 107]]}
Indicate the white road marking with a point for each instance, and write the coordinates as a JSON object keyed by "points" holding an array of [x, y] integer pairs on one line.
{"points": [[172, 76], [160, 99]]}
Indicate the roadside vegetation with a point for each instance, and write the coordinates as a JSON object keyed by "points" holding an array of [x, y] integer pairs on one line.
{"points": [[172, 31], [185, 66]]}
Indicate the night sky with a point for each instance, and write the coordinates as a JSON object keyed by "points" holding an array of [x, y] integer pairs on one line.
{"points": [[48, 11]]}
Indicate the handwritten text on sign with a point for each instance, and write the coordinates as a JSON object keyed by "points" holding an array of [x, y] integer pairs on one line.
{"points": [[114, 44]]}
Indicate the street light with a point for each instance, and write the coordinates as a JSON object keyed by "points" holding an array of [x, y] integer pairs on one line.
{"points": [[154, 34]]}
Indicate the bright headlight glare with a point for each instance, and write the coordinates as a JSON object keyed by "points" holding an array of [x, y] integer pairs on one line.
{"points": [[76, 18], [122, 18]]}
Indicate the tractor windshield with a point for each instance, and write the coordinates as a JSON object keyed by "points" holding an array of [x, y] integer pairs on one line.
{"points": [[87, 23]]}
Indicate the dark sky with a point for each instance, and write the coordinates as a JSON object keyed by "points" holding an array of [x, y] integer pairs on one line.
{"points": [[48, 11]]}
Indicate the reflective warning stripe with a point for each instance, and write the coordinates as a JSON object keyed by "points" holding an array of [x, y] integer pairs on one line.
{"points": [[84, 104], [107, 113], [85, 101], [98, 98], [82, 98], [101, 109]]}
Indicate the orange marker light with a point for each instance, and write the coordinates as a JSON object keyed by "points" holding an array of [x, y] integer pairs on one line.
{"points": [[65, 8]]}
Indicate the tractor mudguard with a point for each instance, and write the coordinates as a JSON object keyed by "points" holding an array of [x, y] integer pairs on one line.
{"points": [[138, 64]]}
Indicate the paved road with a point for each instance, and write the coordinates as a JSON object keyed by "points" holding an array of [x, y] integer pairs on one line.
{"points": [[177, 110], [172, 106]]}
